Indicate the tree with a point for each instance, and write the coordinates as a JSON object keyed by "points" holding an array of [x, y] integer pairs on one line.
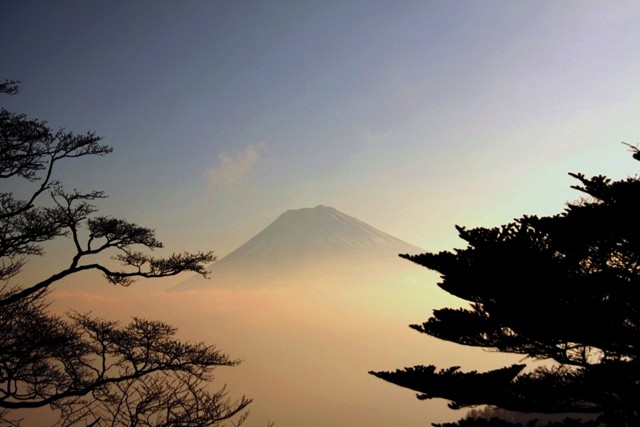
{"points": [[563, 288], [91, 371]]}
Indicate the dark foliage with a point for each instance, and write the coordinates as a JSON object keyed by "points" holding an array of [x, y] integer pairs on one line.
{"points": [[499, 422], [91, 371], [565, 288]]}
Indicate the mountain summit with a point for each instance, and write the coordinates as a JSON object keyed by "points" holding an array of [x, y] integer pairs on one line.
{"points": [[309, 244]]}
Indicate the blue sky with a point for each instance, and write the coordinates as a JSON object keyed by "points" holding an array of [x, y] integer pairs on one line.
{"points": [[411, 115]]}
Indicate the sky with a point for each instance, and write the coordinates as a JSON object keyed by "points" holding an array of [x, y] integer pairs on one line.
{"points": [[412, 116]]}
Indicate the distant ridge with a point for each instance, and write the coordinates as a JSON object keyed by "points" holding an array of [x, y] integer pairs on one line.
{"points": [[311, 244]]}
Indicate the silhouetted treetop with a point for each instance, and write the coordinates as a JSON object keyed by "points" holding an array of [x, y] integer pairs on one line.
{"points": [[30, 150], [91, 371], [9, 87], [564, 288]]}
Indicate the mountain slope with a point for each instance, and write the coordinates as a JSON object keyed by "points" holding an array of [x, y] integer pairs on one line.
{"points": [[303, 244]]}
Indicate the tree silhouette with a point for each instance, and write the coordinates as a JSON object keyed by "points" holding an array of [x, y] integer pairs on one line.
{"points": [[91, 371], [563, 288]]}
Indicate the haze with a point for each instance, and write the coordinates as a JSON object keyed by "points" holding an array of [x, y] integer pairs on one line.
{"points": [[410, 116]]}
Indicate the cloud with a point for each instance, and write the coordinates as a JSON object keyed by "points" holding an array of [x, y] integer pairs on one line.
{"points": [[233, 167]]}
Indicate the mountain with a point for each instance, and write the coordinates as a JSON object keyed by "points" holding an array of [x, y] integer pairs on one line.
{"points": [[318, 244]]}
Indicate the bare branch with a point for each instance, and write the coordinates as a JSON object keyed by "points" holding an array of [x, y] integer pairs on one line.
{"points": [[91, 371]]}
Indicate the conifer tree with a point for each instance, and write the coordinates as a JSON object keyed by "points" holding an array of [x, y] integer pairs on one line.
{"points": [[562, 288]]}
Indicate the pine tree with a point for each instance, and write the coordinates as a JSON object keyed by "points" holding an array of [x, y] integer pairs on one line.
{"points": [[563, 288]]}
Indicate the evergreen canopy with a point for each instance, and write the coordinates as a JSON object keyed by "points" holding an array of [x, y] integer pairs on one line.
{"points": [[564, 288]]}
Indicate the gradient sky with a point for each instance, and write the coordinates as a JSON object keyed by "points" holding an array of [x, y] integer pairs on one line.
{"points": [[410, 115]]}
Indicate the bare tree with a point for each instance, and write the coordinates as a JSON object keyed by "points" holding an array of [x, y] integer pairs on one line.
{"points": [[91, 371]]}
